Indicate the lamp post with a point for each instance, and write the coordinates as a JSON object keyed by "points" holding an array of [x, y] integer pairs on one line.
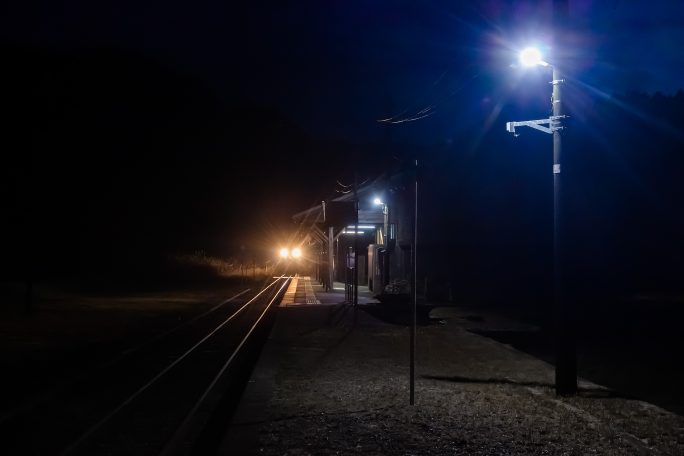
{"points": [[566, 357], [385, 219], [356, 245]]}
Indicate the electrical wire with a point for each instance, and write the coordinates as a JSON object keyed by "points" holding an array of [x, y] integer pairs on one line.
{"points": [[428, 110]]}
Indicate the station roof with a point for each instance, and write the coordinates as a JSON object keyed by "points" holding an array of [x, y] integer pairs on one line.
{"points": [[339, 211], [369, 214]]}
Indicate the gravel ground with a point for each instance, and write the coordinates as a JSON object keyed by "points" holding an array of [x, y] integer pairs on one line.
{"points": [[328, 386]]}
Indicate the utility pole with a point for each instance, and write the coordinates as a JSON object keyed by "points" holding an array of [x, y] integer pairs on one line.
{"points": [[566, 350], [331, 259], [565, 344], [385, 224], [356, 241], [414, 293], [566, 357]]}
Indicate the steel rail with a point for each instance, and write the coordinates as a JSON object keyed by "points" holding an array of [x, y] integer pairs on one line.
{"points": [[144, 344], [182, 430], [34, 401], [68, 450]]}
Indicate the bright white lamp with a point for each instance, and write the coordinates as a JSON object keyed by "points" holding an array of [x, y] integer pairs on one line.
{"points": [[531, 56]]}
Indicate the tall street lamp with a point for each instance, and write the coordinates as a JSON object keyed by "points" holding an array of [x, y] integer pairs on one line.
{"points": [[566, 357]]}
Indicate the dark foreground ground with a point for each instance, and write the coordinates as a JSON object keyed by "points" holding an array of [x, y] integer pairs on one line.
{"points": [[332, 382], [75, 328], [633, 345], [327, 385]]}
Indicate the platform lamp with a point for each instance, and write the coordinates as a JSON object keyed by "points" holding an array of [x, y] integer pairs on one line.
{"points": [[385, 218], [566, 357]]}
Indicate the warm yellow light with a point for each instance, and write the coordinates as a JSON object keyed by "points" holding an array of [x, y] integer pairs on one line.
{"points": [[296, 252], [284, 253]]}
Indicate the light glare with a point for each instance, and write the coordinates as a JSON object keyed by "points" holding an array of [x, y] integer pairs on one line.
{"points": [[531, 56], [296, 252], [284, 253], [377, 201]]}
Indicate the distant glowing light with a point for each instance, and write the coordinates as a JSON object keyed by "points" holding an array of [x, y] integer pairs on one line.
{"points": [[531, 56], [296, 252], [377, 201], [284, 253], [352, 232], [361, 227]]}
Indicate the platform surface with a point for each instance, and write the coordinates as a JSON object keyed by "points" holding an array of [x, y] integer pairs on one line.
{"points": [[334, 379]]}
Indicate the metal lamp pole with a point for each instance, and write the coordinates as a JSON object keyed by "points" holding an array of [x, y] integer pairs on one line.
{"points": [[566, 354], [414, 294], [385, 220], [356, 243], [566, 358]]}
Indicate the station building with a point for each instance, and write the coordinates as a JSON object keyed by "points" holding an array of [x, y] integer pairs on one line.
{"points": [[374, 221]]}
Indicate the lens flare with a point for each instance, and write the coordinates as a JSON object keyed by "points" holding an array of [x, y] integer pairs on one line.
{"points": [[296, 252], [284, 253], [530, 57]]}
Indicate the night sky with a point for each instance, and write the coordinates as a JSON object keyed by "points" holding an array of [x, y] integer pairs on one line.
{"points": [[336, 67], [164, 126]]}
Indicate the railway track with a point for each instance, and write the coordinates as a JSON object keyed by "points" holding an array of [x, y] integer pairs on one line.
{"points": [[170, 395]]}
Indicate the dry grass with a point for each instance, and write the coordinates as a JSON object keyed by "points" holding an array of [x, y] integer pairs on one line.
{"points": [[225, 267]]}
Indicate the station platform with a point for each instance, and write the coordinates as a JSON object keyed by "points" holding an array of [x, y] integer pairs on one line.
{"points": [[334, 379], [305, 291]]}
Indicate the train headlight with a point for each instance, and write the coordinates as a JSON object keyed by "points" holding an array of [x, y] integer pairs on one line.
{"points": [[284, 252], [296, 252]]}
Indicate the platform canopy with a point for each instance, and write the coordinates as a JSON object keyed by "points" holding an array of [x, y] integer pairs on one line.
{"points": [[339, 212]]}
